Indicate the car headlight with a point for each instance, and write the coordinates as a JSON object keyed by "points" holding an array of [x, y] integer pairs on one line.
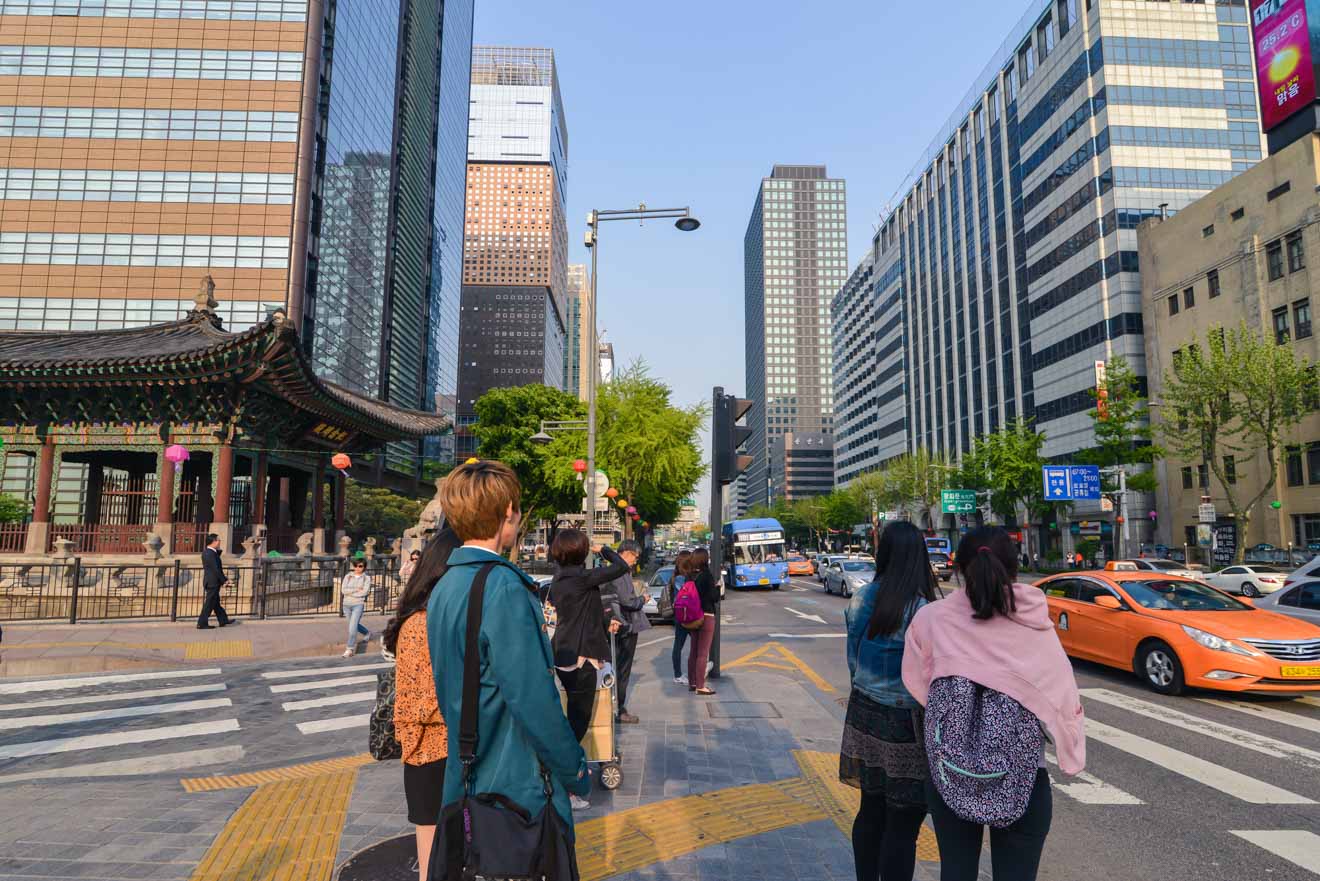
{"points": [[1218, 643]]}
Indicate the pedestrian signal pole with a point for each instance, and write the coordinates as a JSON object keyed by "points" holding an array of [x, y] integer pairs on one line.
{"points": [[725, 466]]}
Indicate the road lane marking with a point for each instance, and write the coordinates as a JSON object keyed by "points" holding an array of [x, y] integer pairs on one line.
{"points": [[157, 764], [1278, 749], [116, 713], [1297, 846], [763, 656], [79, 700], [642, 645], [807, 635], [330, 701], [115, 738], [804, 615], [39, 685], [1308, 701], [337, 723], [322, 683], [1296, 720], [1227, 781], [1091, 790], [317, 671]]}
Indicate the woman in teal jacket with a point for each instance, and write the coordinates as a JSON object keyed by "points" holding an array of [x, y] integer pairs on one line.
{"points": [[520, 720]]}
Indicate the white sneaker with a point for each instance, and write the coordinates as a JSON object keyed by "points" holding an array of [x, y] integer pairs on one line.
{"points": [[578, 804], [348, 653], [680, 680]]}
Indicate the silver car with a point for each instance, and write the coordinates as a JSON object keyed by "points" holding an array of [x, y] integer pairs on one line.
{"points": [[846, 576], [1301, 600], [1250, 581]]}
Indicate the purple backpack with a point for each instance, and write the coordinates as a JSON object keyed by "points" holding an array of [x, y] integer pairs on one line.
{"points": [[984, 750], [687, 606]]}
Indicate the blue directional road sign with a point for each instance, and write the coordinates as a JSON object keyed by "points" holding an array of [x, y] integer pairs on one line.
{"points": [[1066, 483]]}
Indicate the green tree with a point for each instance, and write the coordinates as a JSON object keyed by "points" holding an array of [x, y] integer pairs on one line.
{"points": [[506, 420], [842, 512], [1229, 405], [812, 514], [1008, 463], [376, 512], [12, 509], [918, 478], [876, 491]]}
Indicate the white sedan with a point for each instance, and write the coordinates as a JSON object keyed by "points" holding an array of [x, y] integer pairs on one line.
{"points": [[1250, 581]]}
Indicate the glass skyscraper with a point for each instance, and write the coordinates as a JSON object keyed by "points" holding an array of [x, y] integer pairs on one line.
{"points": [[1012, 248], [795, 257]]}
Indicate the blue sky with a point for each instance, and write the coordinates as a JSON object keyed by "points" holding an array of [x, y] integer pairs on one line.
{"points": [[691, 104]]}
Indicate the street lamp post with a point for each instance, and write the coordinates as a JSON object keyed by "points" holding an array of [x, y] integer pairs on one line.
{"points": [[684, 222]]}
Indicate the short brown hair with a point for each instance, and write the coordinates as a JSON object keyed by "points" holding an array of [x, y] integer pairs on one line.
{"points": [[476, 496], [570, 547]]}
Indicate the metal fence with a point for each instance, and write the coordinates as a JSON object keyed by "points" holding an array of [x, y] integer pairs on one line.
{"points": [[71, 590], [13, 537]]}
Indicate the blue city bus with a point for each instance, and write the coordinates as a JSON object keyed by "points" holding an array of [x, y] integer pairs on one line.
{"points": [[938, 545], [754, 554]]}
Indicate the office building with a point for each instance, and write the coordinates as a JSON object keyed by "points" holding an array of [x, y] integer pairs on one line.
{"points": [[795, 258], [801, 465], [580, 338], [1013, 244], [605, 353], [1242, 253], [515, 236], [279, 153]]}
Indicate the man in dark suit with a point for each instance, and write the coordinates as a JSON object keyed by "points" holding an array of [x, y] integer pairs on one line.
{"points": [[213, 579]]}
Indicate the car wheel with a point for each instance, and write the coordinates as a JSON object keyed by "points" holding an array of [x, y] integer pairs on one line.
{"points": [[1159, 666], [1249, 589]]}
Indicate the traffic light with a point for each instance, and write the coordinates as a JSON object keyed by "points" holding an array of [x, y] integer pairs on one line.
{"points": [[727, 436]]}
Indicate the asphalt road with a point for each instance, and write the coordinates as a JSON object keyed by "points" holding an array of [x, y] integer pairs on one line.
{"points": [[1192, 788]]}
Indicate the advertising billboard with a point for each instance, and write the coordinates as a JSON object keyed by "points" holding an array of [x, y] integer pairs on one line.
{"points": [[1283, 59]]}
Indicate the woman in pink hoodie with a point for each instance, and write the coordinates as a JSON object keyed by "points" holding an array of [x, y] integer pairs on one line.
{"points": [[998, 634]]}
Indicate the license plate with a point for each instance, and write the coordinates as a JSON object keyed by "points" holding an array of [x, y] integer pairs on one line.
{"points": [[765, 581], [1311, 671]]}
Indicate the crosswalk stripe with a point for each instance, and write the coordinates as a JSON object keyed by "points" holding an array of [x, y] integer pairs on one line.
{"points": [[1227, 781], [153, 764], [148, 694], [338, 723], [1297, 846], [332, 700], [1308, 701], [317, 671], [1279, 749], [321, 683], [1091, 790], [1296, 720], [115, 738], [83, 682], [116, 713]]}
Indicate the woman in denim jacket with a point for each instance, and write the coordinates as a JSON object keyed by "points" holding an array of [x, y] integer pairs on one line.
{"points": [[883, 753]]}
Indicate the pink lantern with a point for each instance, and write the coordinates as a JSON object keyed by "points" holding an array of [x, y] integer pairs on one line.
{"points": [[177, 454], [631, 510], [579, 465]]}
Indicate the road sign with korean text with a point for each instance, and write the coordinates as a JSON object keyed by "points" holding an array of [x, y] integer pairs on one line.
{"points": [[957, 501], [1066, 483]]}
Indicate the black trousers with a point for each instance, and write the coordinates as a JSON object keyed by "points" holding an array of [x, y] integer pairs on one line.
{"points": [[580, 686], [625, 649], [211, 603], [884, 839], [1014, 850]]}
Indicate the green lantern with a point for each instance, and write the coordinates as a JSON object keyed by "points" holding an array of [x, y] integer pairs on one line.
{"points": [[1276, 504]]}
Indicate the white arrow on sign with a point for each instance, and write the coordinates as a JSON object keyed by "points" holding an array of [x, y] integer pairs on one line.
{"points": [[805, 616]]}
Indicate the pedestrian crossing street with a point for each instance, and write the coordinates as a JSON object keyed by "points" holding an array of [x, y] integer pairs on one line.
{"points": [[335, 690]]}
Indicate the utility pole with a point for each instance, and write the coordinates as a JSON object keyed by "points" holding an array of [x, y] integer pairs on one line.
{"points": [[726, 463]]}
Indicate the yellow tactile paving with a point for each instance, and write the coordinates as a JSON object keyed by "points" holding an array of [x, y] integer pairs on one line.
{"points": [[275, 775], [286, 831], [774, 655], [840, 802], [221, 648]]}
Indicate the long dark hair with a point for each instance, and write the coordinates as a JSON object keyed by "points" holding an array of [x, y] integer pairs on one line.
{"points": [[988, 564], [681, 566], [699, 562], [432, 565], [902, 566]]}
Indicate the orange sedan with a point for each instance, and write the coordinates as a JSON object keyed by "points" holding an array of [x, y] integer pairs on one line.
{"points": [[1176, 632], [800, 565]]}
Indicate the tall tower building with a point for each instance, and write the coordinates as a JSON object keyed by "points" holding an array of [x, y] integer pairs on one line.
{"points": [[515, 238], [795, 260], [580, 337], [292, 150]]}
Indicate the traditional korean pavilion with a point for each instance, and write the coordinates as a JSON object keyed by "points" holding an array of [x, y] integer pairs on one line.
{"points": [[86, 418]]}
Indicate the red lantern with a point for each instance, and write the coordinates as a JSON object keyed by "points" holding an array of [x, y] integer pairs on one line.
{"points": [[342, 462], [579, 465], [611, 493]]}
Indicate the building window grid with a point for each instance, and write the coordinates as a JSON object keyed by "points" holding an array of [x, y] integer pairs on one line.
{"points": [[265, 252], [1296, 251], [78, 184], [229, 10], [1274, 260], [130, 122], [111, 61], [1302, 319]]}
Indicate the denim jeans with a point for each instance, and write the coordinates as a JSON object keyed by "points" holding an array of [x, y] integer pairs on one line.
{"points": [[680, 637], [354, 616]]}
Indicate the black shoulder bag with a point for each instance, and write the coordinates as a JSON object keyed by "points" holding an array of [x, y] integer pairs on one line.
{"points": [[487, 834]]}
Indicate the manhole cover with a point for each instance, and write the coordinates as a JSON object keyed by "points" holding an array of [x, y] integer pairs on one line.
{"points": [[743, 710], [394, 859]]}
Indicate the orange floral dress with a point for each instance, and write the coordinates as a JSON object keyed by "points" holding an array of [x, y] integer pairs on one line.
{"points": [[417, 721]]}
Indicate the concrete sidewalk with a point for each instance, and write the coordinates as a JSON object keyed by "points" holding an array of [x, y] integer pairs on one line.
{"points": [[53, 649]]}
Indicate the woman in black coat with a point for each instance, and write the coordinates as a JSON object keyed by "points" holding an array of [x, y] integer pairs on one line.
{"points": [[709, 591], [580, 643]]}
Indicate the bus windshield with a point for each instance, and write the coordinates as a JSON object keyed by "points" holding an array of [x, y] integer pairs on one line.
{"points": [[744, 554]]}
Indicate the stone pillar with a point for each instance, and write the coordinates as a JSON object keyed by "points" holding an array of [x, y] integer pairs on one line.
{"points": [[318, 507], [39, 529], [224, 478], [165, 501], [259, 489]]}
